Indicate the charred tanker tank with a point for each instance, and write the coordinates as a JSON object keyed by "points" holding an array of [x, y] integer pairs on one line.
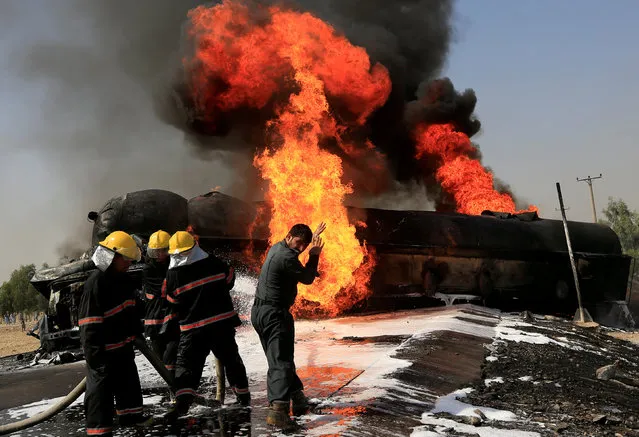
{"points": [[509, 261], [503, 260]]}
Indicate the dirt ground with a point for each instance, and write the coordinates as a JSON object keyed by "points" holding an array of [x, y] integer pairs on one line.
{"points": [[629, 336], [557, 385], [14, 341]]}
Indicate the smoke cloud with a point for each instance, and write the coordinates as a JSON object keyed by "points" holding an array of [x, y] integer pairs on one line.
{"points": [[410, 38], [89, 71]]}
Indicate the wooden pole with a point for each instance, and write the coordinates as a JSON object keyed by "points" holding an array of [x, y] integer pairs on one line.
{"points": [[589, 180], [570, 254]]}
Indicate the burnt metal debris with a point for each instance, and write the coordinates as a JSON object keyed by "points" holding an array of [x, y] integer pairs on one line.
{"points": [[508, 261]]}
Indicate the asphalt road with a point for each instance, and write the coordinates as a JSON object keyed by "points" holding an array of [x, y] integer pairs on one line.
{"points": [[30, 385]]}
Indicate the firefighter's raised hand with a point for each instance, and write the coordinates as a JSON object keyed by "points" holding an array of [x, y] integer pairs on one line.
{"points": [[316, 245]]}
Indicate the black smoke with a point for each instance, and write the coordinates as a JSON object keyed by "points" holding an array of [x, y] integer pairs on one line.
{"points": [[129, 69], [87, 73], [410, 38], [438, 102]]}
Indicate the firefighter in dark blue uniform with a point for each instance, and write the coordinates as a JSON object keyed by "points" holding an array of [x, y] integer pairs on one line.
{"points": [[108, 324], [198, 284], [159, 324], [271, 318]]}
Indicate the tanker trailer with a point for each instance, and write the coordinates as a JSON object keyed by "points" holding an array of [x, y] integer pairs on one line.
{"points": [[507, 261], [139, 213]]}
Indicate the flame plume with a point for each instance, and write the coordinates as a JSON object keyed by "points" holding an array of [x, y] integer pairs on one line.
{"points": [[246, 59], [459, 172], [306, 187]]}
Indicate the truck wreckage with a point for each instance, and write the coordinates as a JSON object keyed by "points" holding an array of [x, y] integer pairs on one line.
{"points": [[506, 261]]}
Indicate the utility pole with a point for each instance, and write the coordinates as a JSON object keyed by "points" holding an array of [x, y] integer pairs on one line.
{"points": [[583, 313], [589, 180]]}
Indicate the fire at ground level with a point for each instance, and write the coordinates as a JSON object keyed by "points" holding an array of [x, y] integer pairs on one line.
{"points": [[430, 372]]}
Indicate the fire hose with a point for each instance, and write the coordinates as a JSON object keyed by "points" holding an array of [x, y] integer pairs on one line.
{"points": [[82, 385]]}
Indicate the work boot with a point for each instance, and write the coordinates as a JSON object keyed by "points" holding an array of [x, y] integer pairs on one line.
{"points": [[278, 416], [299, 403], [244, 399], [176, 410]]}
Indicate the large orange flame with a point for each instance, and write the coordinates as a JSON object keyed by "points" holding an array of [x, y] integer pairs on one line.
{"points": [[306, 187], [459, 174], [242, 59], [253, 58]]}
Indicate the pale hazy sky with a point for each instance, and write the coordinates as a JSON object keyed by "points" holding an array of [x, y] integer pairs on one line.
{"points": [[556, 82]]}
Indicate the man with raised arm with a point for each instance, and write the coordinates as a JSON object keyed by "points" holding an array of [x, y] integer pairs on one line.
{"points": [[271, 318]]}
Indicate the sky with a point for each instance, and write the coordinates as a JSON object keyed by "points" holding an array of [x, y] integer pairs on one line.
{"points": [[556, 84]]}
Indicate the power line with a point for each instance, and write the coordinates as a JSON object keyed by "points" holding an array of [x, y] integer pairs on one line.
{"points": [[589, 180]]}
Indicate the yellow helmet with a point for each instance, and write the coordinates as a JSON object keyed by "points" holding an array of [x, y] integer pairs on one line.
{"points": [[159, 240], [122, 243], [180, 242]]}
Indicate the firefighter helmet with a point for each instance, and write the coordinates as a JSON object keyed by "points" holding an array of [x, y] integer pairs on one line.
{"points": [[123, 244], [159, 240], [180, 242]]}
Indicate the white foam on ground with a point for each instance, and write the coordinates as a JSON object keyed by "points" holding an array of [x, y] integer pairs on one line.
{"points": [[518, 336], [491, 358], [497, 380], [506, 331], [525, 378], [452, 405], [30, 410], [443, 425]]}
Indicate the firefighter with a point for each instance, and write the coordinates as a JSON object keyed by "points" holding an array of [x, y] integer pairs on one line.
{"points": [[159, 325], [198, 284], [271, 318], [108, 326]]}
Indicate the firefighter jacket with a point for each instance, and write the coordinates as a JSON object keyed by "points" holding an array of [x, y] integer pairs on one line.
{"points": [[158, 312], [280, 274], [107, 316], [200, 294]]}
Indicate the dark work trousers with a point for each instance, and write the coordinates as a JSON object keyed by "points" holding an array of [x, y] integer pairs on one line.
{"points": [[276, 329], [194, 347], [117, 378], [165, 347]]}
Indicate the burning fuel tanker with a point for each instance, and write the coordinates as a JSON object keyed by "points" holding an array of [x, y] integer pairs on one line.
{"points": [[414, 258]]}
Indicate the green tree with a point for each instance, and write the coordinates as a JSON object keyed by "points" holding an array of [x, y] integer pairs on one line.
{"points": [[625, 223], [17, 294]]}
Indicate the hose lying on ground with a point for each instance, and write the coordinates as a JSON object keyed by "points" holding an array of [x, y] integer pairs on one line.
{"points": [[81, 387], [41, 417]]}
